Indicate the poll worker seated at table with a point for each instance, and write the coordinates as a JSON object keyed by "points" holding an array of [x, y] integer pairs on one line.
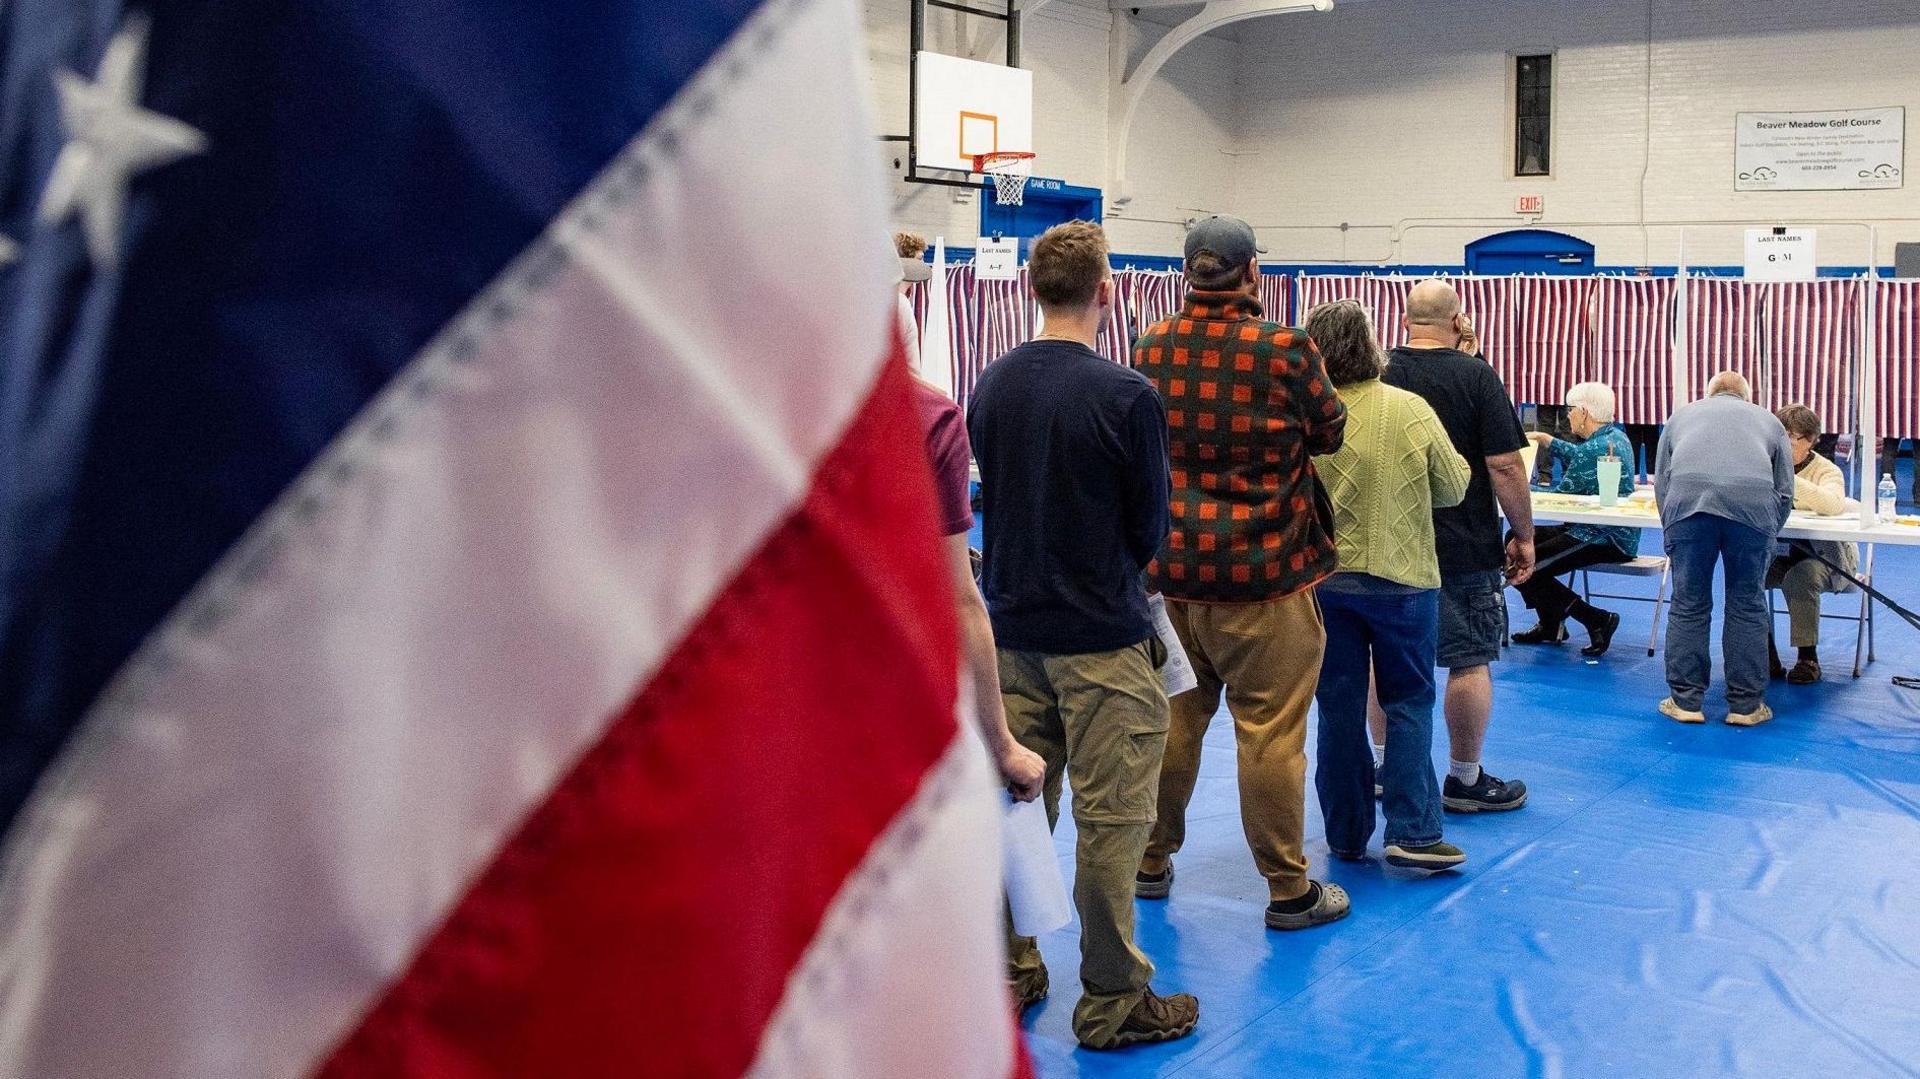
{"points": [[1561, 549], [1818, 487]]}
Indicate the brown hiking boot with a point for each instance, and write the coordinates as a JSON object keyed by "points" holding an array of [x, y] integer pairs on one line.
{"points": [[1154, 1019], [1028, 989]]}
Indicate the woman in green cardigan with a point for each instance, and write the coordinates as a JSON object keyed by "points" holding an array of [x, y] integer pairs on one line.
{"points": [[1382, 607]]}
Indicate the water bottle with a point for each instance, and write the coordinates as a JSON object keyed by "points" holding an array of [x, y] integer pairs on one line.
{"points": [[1889, 495]]}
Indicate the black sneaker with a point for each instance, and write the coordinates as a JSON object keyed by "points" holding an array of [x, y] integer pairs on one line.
{"points": [[1154, 1019], [1154, 885], [1486, 795]]}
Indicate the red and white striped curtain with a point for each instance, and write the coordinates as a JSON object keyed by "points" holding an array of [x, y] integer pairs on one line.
{"points": [[1384, 297], [1275, 290], [1633, 345], [1723, 332], [1812, 342], [1897, 352], [1489, 302], [1552, 341], [1795, 341]]}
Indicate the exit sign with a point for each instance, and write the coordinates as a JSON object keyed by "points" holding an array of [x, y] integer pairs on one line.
{"points": [[1530, 204]]}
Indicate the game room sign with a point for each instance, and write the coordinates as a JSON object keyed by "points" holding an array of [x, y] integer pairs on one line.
{"points": [[1848, 150]]}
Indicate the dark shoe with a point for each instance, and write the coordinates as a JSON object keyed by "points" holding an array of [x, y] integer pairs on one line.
{"points": [[1154, 885], [1154, 1019], [1348, 855], [1487, 795], [1543, 632], [1029, 989], [1775, 671], [1330, 904], [1433, 856], [1804, 673], [1601, 634]]}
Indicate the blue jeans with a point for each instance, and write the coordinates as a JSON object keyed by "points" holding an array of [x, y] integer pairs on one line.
{"points": [[1394, 634], [1694, 544]]}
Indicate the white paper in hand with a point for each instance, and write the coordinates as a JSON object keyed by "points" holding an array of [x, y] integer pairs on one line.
{"points": [[1178, 673], [1036, 893]]}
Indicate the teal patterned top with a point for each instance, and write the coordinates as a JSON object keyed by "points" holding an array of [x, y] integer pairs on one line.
{"points": [[1582, 464]]}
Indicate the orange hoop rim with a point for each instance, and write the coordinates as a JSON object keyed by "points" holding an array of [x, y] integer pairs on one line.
{"points": [[1000, 157]]}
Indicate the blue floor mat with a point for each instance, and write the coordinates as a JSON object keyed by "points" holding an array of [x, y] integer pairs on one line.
{"points": [[1673, 901]]}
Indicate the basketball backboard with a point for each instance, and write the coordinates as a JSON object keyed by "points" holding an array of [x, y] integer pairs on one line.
{"points": [[967, 107]]}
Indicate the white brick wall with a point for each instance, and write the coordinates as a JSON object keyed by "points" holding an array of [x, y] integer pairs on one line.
{"points": [[1393, 111]]}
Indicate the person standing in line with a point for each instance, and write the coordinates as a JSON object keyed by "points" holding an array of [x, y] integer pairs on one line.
{"points": [[1397, 467], [1724, 483], [950, 457], [1475, 564], [1248, 404], [1073, 474], [1564, 548]]}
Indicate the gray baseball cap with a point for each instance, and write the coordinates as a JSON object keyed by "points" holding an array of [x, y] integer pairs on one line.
{"points": [[915, 270], [1228, 237]]}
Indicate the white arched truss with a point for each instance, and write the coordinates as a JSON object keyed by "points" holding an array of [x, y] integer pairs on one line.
{"points": [[1130, 87]]}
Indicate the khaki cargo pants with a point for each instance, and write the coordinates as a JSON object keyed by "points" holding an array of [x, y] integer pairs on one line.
{"points": [[1266, 659], [1102, 717]]}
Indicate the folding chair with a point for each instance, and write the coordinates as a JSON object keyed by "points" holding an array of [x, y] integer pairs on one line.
{"points": [[1863, 630], [1645, 565]]}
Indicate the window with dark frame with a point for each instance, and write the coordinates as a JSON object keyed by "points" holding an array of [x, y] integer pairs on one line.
{"points": [[1533, 115]]}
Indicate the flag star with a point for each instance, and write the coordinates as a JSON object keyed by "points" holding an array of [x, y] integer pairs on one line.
{"points": [[110, 140]]}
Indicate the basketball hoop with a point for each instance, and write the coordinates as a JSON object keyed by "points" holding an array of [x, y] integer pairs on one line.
{"points": [[1010, 170]]}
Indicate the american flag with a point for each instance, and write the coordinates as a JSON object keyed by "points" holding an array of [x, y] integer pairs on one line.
{"points": [[1897, 351], [469, 608]]}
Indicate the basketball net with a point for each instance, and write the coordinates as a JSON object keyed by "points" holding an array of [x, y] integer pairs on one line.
{"points": [[1010, 170]]}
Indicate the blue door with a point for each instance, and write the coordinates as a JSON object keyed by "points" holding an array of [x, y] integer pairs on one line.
{"points": [[1048, 203], [1530, 251]]}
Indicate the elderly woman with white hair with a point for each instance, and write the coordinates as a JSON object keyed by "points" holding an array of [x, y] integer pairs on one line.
{"points": [[1561, 549]]}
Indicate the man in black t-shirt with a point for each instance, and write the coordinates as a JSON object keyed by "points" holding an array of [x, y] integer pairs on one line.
{"points": [[1475, 565]]}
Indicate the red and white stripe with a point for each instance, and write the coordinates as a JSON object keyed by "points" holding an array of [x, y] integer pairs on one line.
{"points": [[538, 734], [1007, 314], [1723, 332], [1553, 340], [1385, 299], [1897, 353], [1274, 293], [1813, 347], [1489, 302], [1633, 345], [1157, 296]]}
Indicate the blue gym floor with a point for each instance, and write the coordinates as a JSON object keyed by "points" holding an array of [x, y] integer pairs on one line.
{"points": [[1673, 901]]}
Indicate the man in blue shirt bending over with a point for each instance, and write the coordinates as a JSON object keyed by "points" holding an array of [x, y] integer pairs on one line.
{"points": [[1725, 486]]}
